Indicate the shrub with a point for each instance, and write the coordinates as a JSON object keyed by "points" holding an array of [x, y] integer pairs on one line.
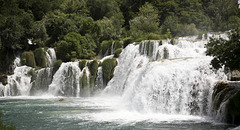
{"points": [[106, 47], [117, 52], [93, 67], [108, 66], [82, 64], [117, 44], [28, 59], [56, 65], [126, 41], [40, 57]]}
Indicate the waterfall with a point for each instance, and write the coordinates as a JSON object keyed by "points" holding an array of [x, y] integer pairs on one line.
{"points": [[157, 76], [19, 82], [69, 80], [66, 80], [51, 56], [99, 81], [41, 80], [26, 80]]}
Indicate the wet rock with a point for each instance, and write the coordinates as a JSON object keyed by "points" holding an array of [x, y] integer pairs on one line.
{"points": [[226, 101], [62, 100], [235, 75]]}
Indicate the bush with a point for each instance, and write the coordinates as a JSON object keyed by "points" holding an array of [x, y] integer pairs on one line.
{"points": [[108, 66], [82, 64], [106, 47], [74, 46], [28, 59], [40, 57], [93, 67], [3, 79], [117, 44], [117, 52], [56, 65], [126, 41]]}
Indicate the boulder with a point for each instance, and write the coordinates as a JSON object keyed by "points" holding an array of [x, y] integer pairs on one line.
{"points": [[226, 101]]}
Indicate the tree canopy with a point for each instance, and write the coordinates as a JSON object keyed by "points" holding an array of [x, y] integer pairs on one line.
{"points": [[225, 52], [47, 22]]}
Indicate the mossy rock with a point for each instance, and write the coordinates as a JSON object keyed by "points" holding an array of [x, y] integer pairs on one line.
{"points": [[118, 44], [226, 96], [93, 67], [233, 109], [108, 67], [117, 52], [28, 59], [56, 65], [40, 58], [3, 79], [106, 47], [84, 85], [82, 64]]}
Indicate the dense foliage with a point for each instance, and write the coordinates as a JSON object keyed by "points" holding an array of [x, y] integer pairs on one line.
{"points": [[225, 52], [82, 25]]}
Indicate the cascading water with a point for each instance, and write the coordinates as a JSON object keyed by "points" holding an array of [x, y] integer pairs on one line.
{"points": [[156, 76], [69, 80], [19, 82], [28, 81], [156, 85], [51, 56]]}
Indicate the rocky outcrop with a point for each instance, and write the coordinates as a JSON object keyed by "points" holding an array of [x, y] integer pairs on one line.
{"points": [[235, 75], [226, 101]]}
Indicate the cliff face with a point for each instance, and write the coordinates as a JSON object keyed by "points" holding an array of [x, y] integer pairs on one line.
{"points": [[226, 101]]}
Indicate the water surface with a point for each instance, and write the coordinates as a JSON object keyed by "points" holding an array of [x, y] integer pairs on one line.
{"points": [[37, 113]]}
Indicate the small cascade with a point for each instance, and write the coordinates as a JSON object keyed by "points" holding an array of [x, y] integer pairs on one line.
{"points": [[158, 76], [85, 82], [51, 56], [19, 82], [112, 48], [66, 80], [99, 80], [16, 63], [70, 80], [40, 81]]}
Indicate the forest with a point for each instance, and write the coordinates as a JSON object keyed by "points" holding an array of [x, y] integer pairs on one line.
{"points": [[84, 29]]}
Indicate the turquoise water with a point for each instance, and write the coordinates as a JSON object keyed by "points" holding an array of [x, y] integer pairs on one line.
{"points": [[36, 113]]}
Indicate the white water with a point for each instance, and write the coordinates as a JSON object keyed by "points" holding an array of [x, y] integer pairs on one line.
{"points": [[151, 77], [181, 84], [51, 56]]}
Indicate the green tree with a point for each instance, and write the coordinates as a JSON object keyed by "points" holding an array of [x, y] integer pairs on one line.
{"points": [[58, 25], [146, 22], [74, 46], [225, 52]]}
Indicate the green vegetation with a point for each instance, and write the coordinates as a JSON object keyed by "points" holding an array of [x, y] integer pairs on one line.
{"points": [[117, 52], [106, 47], [56, 65], [82, 64], [79, 29], [74, 46], [108, 67], [93, 67], [28, 59], [4, 126], [40, 57], [225, 52]]}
